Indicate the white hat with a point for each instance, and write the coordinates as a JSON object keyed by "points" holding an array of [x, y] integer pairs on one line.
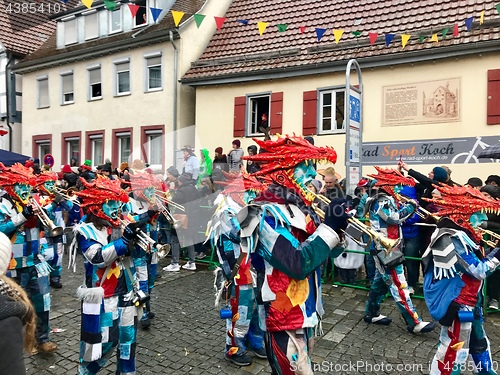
{"points": [[5, 253]]}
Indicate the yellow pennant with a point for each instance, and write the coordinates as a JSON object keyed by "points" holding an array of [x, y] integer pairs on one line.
{"points": [[262, 27], [338, 34], [481, 18], [88, 3], [404, 39], [434, 38], [177, 16]]}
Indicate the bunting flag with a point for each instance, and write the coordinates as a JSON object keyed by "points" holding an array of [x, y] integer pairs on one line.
{"points": [[373, 37], [319, 33], [389, 38], [498, 8], [219, 21], [64, 1], [177, 16], [444, 32], [404, 39], [155, 12], [357, 34], [338, 34], [302, 29], [243, 22], [109, 5], [133, 9], [422, 38], [198, 18], [468, 23], [88, 3], [282, 27], [455, 30], [434, 38], [481, 17], [3, 132], [262, 27]]}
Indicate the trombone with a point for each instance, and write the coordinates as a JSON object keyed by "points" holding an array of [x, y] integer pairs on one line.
{"points": [[165, 201], [45, 219], [166, 212], [495, 237], [68, 194], [420, 211], [147, 244]]}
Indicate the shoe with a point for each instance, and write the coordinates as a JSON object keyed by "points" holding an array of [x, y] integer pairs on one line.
{"points": [[411, 290], [379, 319], [239, 359], [47, 347], [172, 268], [200, 255], [493, 304], [145, 322], [56, 284], [422, 327], [151, 315], [189, 266], [259, 353]]}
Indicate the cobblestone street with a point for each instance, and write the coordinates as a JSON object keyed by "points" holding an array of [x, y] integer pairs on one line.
{"points": [[187, 336]]}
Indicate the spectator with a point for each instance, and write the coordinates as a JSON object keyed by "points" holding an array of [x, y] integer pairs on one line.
{"points": [[475, 182], [264, 124], [234, 157], [220, 160], [331, 188], [425, 185], [172, 176], [252, 166], [68, 176], [191, 163], [137, 165], [205, 166], [106, 171], [493, 180]]}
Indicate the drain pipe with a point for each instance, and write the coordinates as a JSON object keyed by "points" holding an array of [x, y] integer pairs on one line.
{"points": [[174, 124], [7, 102]]}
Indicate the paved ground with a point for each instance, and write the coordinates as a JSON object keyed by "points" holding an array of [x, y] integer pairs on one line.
{"points": [[187, 336]]}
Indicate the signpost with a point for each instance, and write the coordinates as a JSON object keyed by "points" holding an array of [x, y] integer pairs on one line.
{"points": [[353, 117]]}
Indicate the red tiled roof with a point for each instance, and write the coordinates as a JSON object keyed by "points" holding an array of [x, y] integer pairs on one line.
{"points": [[25, 29], [239, 50]]}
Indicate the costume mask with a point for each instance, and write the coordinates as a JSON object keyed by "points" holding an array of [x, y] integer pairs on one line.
{"points": [[303, 174], [17, 181], [145, 186], [112, 209], [22, 192]]}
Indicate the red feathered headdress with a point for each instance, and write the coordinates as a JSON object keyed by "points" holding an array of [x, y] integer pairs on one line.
{"points": [[139, 181], [43, 177], [388, 179], [17, 174]]}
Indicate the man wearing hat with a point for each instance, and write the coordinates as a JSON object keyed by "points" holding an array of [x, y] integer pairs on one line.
{"points": [[191, 163], [493, 180], [220, 160], [234, 157]]}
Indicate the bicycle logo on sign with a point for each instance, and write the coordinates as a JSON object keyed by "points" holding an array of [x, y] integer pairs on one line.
{"points": [[469, 157]]}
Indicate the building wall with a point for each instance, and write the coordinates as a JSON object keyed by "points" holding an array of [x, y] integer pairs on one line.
{"points": [[215, 108]]}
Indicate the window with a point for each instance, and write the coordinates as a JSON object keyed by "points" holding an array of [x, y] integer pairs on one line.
{"points": [[142, 13], [115, 20], [493, 102], [68, 95], [331, 111], [43, 92], [95, 83], [153, 144], [95, 142], [70, 31], [73, 149], [41, 145], [153, 73], [258, 107], [122, 78], [91, 25], [123, 147], [257, 112]]}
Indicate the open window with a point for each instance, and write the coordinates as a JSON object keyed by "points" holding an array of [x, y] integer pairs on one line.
{"points": [[255, 113]]}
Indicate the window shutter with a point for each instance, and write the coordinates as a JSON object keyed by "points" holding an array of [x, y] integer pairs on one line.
{"points": [[239, 116], [276, 113], [493, 115], [309, 120]]}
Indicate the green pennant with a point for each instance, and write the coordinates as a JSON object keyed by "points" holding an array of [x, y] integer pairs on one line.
{"points": [[444, 32], [422, 38], [110, 5], [498, 8], [356, 33], [198, 18], [282, 27]]}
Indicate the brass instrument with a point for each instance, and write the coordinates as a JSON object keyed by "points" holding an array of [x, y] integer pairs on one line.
{"points": [[164, 200], [166, 212], [495, 236], [420, 211], [68, 194], [147, 244], [358, 226], [45, 219]]}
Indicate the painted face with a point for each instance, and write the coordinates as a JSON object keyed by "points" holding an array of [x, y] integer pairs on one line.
{"points": [[49, 186], [111, 209], [149, 193], [249, 196], [477, 218], [23, 192], [303, 174]]}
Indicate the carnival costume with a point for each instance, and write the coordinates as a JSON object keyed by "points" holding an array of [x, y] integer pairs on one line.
{"points": [[287, 244], [386, 218], [109, 314], [53, 204], [27, 267], [454, 270]]}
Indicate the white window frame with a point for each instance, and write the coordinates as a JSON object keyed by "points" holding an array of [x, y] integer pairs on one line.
{"points": [[72, 91], [254, 113], [72, 22], [146, 5], [39, 81], [41, 144], [150, 134], [93, 139], [89, 70], [117, 64], [68, 141], [118, 10], [87, 17], [147, 59], [334, 127], [120, 137]]}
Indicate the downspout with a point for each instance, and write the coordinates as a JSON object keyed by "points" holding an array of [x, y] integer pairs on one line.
{"points": [[174, 124], [7, 92]]}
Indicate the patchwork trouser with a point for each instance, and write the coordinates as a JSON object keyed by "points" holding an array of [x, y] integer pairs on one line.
{"points": [[53, 253], [115, 324], [288, 352], [38, 290], [393, 280], [459, 340]]}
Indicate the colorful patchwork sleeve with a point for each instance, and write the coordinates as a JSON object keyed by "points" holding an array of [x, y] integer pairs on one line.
{"points": [[99, 255]]}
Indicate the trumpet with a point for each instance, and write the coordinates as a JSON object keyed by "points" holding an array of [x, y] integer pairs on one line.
{"points": [[165, 201], [357, 226], [166, 212], [420, 211], [45, 219], [68, 194], [495, 237], [147, 244]]}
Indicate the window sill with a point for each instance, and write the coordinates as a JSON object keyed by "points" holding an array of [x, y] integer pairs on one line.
{"points": [[47, 106], [153, 90], [332, 133], [68, 103], [122, 94], [94, 99]]}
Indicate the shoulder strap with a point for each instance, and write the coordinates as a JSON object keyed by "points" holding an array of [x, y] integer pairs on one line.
{"points": [[237, 265]]}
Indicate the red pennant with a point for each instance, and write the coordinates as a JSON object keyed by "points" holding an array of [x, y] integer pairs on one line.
{"points": [[302, 29], [219, 21], [373, 38], [3, 132], [133, 9], [455, 30]]}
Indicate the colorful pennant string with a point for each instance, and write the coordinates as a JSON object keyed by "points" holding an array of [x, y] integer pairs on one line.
{"points": [[468, 23], [155, 12], [404, 39], [373, 37], [243, 22], [282, 27], [389, 38], [262, 27], [219, 21], [338, 34], [319, 33], [198, 18], [177, 16]]}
